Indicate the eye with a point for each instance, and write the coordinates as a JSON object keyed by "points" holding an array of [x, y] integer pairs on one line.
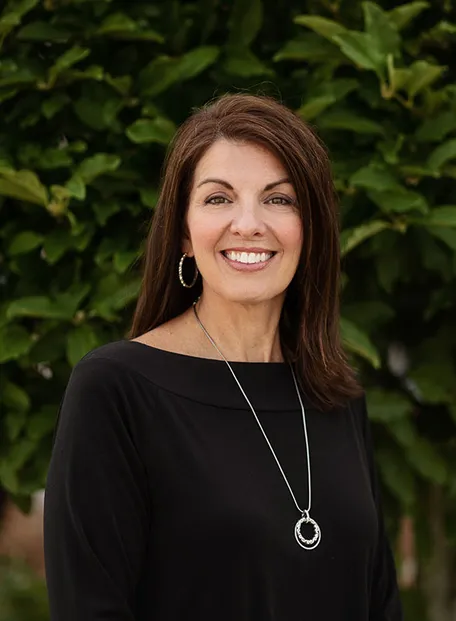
{"points": [[280, 200], [216, 200]]}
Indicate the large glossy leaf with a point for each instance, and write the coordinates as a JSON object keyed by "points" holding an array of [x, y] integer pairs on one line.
{"points": [[23, 185], [350, 238], [80, 341], [359, 343], [24, 242], [386, 406], [158, 130], [321, 25], [311, 48], [403, 14], [15, 342], [97, 165], [350, 121], [245, 22], [442, 154], [361, 49], [382, 30]]}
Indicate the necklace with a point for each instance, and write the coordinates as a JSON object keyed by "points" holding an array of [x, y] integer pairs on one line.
{"points": [[307, 544]]}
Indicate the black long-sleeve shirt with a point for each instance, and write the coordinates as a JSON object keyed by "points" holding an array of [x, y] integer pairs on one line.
{"points": [[164, 502]]}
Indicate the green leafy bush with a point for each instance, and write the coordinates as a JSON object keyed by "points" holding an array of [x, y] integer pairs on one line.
{"points": [[91, 92]]}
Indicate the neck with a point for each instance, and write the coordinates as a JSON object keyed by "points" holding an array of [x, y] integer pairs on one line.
{"points": [[243, 333]]}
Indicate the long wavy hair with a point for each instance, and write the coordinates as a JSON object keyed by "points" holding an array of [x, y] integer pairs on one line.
{"points": [[309, 324]]}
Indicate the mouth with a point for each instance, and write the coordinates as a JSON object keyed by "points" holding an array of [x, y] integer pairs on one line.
{"points": [[248, 257]]}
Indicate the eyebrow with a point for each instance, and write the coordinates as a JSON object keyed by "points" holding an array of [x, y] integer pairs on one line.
{"points": [[227, 185]]}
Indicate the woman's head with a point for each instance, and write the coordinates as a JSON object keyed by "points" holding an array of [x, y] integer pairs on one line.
{"points": [[248, 143]]}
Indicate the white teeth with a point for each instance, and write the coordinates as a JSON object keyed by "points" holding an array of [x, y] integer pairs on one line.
{"points": [[248, 257]]}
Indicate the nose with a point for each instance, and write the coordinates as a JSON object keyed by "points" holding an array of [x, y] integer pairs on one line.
{"points": [[247, 220]]}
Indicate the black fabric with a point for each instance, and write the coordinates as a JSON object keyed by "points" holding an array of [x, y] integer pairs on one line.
{"points": [[164, 502]]}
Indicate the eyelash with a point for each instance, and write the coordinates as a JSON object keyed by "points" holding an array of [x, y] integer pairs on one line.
{"points": [[209, 201]]}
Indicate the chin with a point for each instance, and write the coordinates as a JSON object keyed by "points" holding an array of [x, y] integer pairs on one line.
{"points": [[248, 297]]}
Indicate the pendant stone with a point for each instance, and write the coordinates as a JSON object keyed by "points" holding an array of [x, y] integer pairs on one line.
{"points": [[307, 544]]}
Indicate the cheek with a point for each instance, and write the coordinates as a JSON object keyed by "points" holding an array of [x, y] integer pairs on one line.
{"points": [[292, 237], [204, 233]]}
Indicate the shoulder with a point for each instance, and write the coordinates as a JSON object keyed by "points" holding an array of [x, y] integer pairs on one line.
{"points": [[117, 366]]}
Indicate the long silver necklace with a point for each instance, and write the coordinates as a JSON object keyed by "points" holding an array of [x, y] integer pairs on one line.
{"points": [[307, 544]]}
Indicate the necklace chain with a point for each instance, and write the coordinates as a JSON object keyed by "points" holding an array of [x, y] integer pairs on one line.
{"points": [[261, 427]]}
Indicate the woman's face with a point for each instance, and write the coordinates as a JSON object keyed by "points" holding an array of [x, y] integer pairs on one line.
{"points": [[243, 225]]}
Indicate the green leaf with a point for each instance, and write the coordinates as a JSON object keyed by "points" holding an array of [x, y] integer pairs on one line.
{"points": [[361, 49], [42, 423], [311, 48], [448, 236], [42, 307], [50, 107], [350, 238], [15, 342], [243, 63], [442, 154], [196, 61], [121, 26], [104, 210], [23, 242], [160, 130], [43, 31], [98, 109], [398, 477], [427, 461], [358, 342], [245, 22], [386, 406], [80, 341], [316, 106], [403, 14], [350, 121], [374, 177], [76, 187], [381, 29], [15, 397], [399, 201], [68, 59], [443, 216], [164, 71], [15, 422], [325, 27], [123, 260], [23, 185], [13, 14], [149, 196], [436, 128], [423, 74], [113, 294], [97, 165]]}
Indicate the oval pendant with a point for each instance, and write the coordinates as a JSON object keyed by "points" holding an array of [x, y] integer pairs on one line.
{"points": [[307, 544]]}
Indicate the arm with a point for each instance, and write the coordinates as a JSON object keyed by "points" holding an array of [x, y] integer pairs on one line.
{"points": [[96, 515], [385, 604]]}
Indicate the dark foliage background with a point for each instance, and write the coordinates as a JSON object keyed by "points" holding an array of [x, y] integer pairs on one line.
{"points": [[91, 92]]}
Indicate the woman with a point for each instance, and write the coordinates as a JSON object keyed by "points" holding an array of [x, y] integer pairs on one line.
{"points": [[218, 465]]}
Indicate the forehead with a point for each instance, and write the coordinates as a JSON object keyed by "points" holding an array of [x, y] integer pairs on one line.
{"points": [[239, 160]]}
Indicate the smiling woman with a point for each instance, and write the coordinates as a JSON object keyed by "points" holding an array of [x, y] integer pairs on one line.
{"points": [[218, 464]]}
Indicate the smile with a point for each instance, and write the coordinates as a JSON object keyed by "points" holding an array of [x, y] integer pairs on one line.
{"points": [[248, 258]]}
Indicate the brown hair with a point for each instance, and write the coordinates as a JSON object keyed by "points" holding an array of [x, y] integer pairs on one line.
{"points": [[309, 326]]}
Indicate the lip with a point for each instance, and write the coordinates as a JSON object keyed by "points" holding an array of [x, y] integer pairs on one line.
{"points": [[247, 267], [257, 250]]}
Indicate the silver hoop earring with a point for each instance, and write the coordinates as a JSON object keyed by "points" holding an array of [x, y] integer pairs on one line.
{"points": [[181, 276]]}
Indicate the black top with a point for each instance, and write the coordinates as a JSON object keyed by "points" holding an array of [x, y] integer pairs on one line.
{"points": [[164, 502]]}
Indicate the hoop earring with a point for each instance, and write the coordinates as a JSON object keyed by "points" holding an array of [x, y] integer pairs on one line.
{"points": [[181, 277]]}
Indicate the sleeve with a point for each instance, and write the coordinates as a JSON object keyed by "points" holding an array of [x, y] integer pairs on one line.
{"points": [[96, 514], [385, 602]]}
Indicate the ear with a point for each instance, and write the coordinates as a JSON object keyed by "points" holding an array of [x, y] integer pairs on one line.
{"points": [[187, 245]]}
